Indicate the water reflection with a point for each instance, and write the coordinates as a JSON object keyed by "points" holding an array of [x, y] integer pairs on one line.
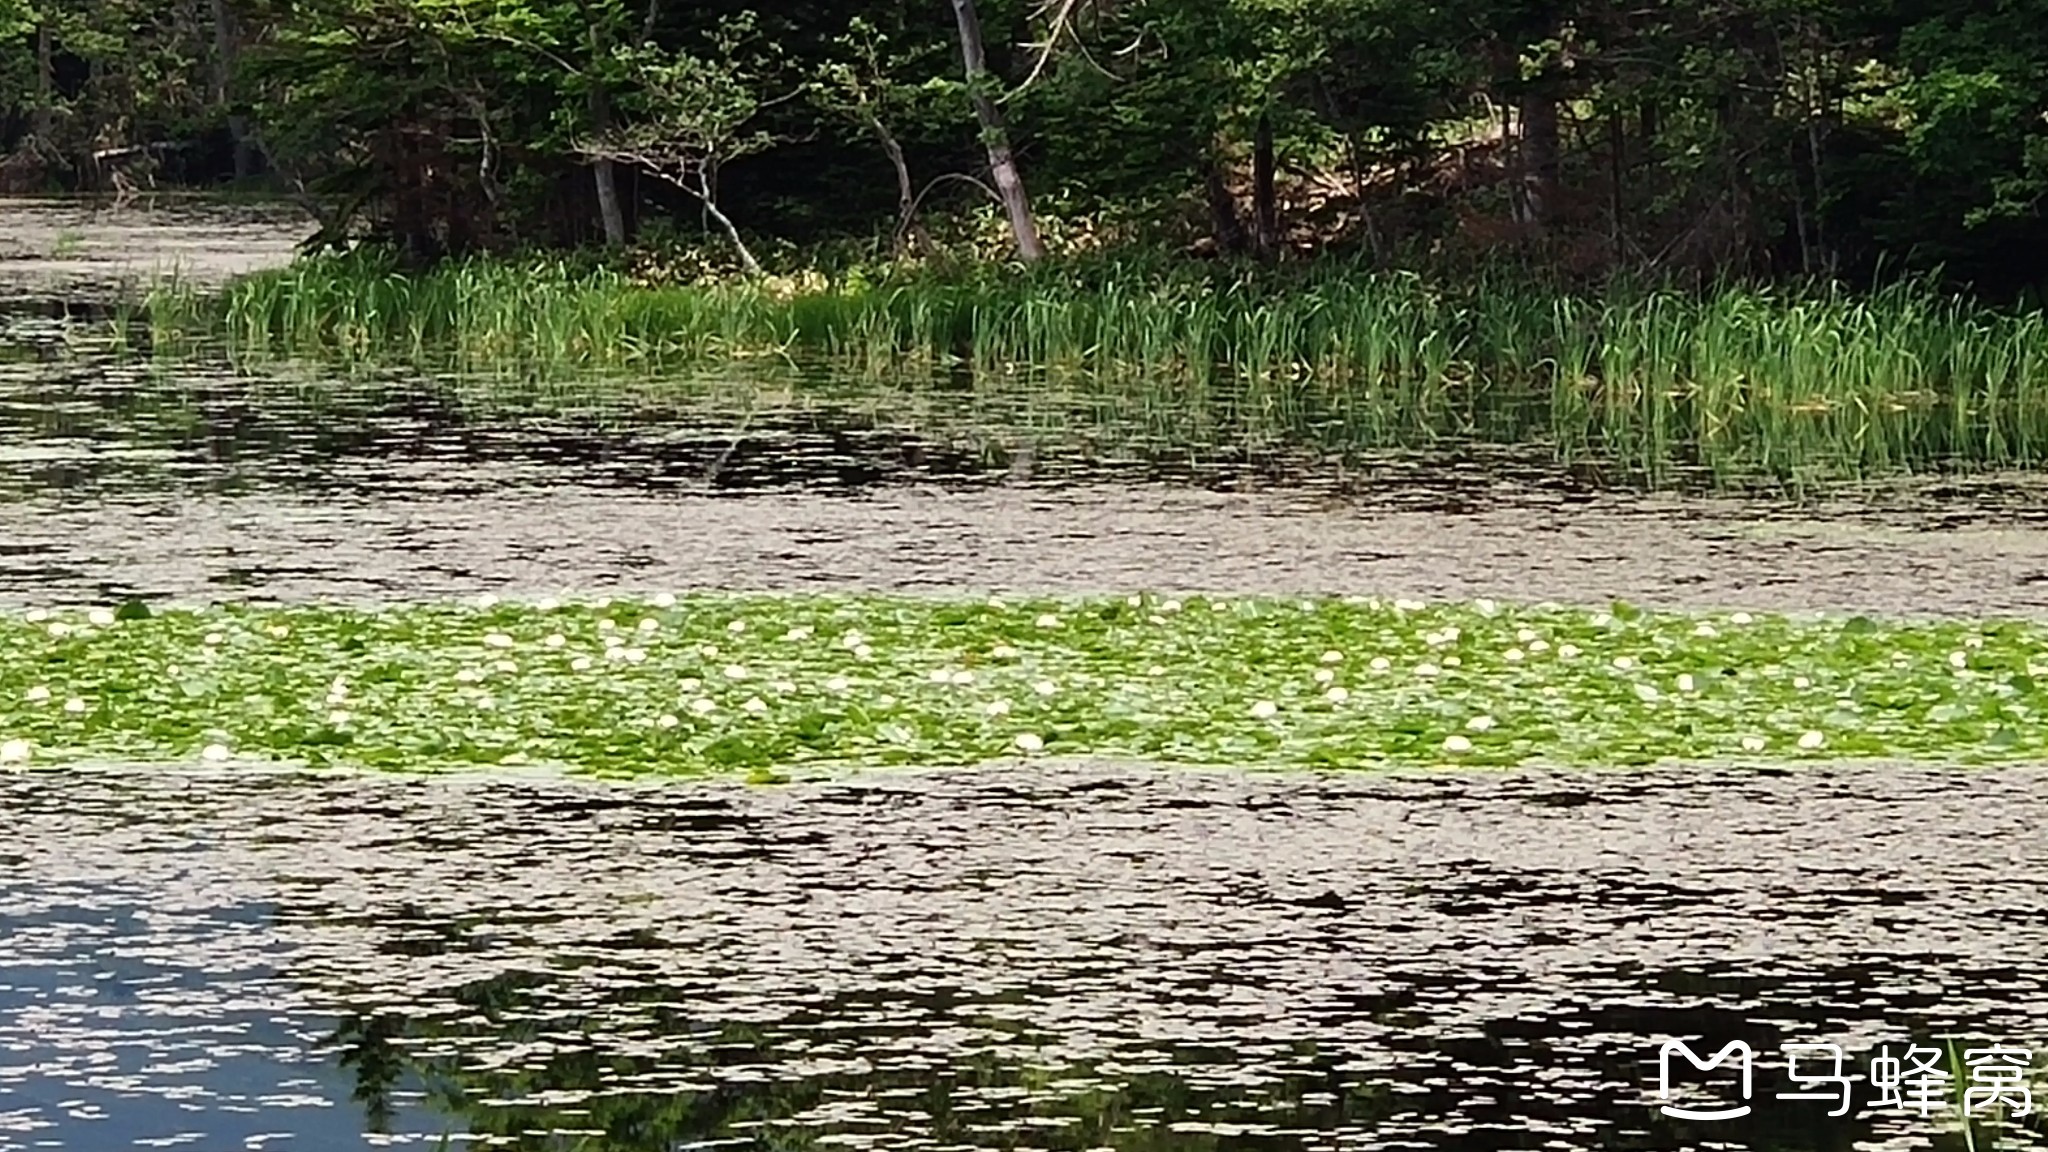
{"points": [[1069, 957]]}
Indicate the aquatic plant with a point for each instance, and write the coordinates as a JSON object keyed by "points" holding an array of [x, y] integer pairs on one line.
{"points": [[714, 683], [1742, 381]]}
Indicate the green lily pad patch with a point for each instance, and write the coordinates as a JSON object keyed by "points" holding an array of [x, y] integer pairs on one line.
{"points": [[758, 686]]}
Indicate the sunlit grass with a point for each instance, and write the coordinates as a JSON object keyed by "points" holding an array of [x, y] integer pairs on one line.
{"points": [[715, 684], [1739, 381]]}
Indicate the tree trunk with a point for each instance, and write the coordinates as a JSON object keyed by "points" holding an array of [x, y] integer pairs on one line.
{"points": [[1002, 165], [43, 122], [1540, 150], [702, 191], [604, 172], [1224, 220], [226, 45], [1265, 206], [908, 225]]}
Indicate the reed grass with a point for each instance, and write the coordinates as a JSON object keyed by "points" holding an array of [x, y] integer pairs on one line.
{"points": [[1741, 380]]}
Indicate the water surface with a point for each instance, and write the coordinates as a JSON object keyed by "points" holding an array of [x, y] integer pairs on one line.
{"points": [[1058, 956]]}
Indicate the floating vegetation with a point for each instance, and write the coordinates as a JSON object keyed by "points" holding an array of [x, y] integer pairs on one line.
{"points": [[766, 684]]}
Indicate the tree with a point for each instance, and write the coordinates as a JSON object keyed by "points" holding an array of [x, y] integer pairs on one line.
{"points": [[691, 115]]}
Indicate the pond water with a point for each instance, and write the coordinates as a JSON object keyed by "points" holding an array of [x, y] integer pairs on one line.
{"points": [[1049, 956]]}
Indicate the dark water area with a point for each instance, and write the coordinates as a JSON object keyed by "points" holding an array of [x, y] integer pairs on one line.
{"points": [[1072, 956], [1020, 957]]}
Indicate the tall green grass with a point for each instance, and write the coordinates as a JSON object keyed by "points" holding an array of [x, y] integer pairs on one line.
{"points": [[1740, 380]]}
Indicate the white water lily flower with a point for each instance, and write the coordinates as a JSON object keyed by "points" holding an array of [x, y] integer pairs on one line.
{"points": [[755, 704], [1801, 683], [1156, 670], [736, 627], [1512, 655], [38, 694], [663, 600], [1647, 693], [497, 640], [213, 638], [506, 666], [468, 676], [1539, 645], [1264, 709], [1457, 744], [836, 684], [1134, 600], [1337, 694], [783, 686], [1740, 618], [996, 602], [487, 601], [941, 676], [1029, 742], [1959, 660], [280, 631], [1752, 743], [1812, 740], [1408, 605], [580, 664], [1568, 651], [998, 708], [59, 629], [37, 615], [800, 632], [555, 640], [688, 684], [1169, 606], [1426, 670], [735, 672], [1324, 676], [74, 705], [611, 643], [1480, 723], [100, 617], [1525, 635], [1048, 620], [648, 624], [1380, 664], [1706, 630], [1486, 607], [1601, 619], [863, 652], [1624, 662], [666, 720], [338, 717], [547, 603], [1045, 687], [1333, 657], [1219, 605], [215, 752], [1452, 661], [16, 751], [1002, 652], [1685, 682], [963, 676], [708, 651], [852, 640], [1155, 619], [703, 707], [607, 624]]}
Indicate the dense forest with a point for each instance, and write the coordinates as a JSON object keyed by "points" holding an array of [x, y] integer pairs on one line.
{"points": [[1753, 137]]}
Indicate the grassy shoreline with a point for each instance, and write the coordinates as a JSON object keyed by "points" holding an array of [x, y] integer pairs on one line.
{"points": [[760, 685], [1757, 381]]}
